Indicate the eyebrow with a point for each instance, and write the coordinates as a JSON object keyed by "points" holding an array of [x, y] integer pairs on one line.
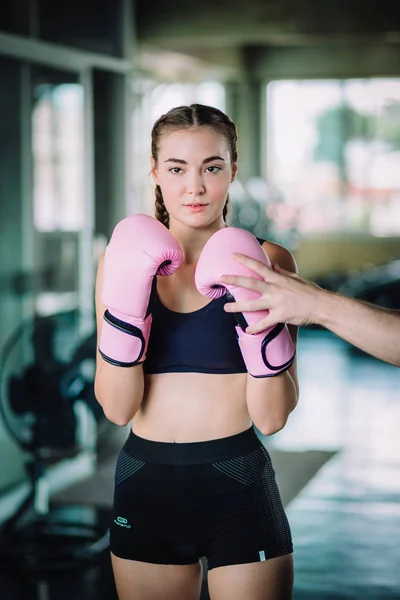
{"points": [[205, 161]]}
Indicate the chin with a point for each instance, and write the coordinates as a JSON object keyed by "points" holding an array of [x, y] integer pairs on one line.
{"points": [[207, 222], [200, 220]]}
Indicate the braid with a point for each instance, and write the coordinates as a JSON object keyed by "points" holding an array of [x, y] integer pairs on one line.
{"points": [[226, 208], [162, 214]]}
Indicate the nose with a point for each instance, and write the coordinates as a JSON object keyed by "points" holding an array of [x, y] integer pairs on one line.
{"points": [[195, 185]]}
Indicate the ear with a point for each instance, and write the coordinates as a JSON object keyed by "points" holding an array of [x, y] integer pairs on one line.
{"points": [[154, 170], [234, 172]]}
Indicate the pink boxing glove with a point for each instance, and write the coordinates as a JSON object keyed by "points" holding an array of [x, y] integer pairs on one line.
{"points": [[140, 248], [269, 352]]}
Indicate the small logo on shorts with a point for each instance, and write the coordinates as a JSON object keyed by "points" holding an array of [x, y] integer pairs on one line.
{"points": [[121, 522]]}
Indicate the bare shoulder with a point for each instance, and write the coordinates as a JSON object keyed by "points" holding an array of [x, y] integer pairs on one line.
{"points": [[281, 255]]}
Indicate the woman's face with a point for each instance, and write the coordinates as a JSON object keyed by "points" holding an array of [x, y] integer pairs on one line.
{"points": [[194, 170]]}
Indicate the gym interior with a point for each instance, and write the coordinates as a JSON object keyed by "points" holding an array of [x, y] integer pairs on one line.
{"points": [[314, 88]]}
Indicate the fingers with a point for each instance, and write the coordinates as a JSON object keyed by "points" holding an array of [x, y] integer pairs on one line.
{"points": [[265, 272], [265, 323], [278, 269], [248, 306], [250, 283], [245, 305]]}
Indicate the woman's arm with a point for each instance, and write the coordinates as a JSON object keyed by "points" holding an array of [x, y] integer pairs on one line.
{"points": [[119, 390], [270, 400], [293, 299]]}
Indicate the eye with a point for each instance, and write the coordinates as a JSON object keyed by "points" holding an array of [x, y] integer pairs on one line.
{"points": [[213, 169], [175, 170]]}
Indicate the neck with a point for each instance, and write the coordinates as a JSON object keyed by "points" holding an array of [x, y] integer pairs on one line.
{"points": [[191, 240]]}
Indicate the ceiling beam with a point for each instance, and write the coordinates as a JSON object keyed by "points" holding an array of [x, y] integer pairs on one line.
{"points": [[231, 22]]}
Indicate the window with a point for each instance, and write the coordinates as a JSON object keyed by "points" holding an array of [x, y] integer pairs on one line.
{"points": [[57, 144], [334, 155], [58, 188]]}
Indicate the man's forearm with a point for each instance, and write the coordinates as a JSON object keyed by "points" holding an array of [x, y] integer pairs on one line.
{"points": [[374, 329]]}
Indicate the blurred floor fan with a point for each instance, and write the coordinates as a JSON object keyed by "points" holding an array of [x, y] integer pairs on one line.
{"points": [[48, 407]]}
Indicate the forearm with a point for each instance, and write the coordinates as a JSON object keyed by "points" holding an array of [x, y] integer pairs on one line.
{"points": [[270, 401], [119, 390], [373, 329]]}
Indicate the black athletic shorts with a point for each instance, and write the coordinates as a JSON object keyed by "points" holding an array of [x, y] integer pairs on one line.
{"points": [[177, 502]]}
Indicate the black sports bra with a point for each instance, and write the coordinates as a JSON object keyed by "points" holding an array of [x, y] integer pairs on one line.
{"points": [[203, 341]]}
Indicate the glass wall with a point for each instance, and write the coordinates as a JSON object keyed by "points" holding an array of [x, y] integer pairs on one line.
{"points": [[57, 144], [58, 185], [49, 103]]}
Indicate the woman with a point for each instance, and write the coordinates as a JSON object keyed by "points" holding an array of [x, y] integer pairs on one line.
{"points": [[193, 479]]}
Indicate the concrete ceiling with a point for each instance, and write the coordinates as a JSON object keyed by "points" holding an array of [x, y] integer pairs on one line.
{"points": [[219, 35]]}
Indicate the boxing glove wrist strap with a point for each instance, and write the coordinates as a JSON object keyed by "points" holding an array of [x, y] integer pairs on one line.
{"points": [[122, 343], [268, 353]]}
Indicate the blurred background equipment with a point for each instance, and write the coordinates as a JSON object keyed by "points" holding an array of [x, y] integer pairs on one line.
{"points": [[48, 407]]}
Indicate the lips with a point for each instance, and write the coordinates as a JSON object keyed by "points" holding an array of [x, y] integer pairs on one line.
{"points": [[196, 207]]}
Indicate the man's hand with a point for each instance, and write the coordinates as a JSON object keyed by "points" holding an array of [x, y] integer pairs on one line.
{"points": [[288, 297]]}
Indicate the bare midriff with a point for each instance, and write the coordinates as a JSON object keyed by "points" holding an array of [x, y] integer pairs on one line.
{"points": [[191, 407]]}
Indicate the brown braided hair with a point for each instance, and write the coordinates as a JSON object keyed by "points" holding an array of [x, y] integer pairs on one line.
{"points": [[184, 117]]}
